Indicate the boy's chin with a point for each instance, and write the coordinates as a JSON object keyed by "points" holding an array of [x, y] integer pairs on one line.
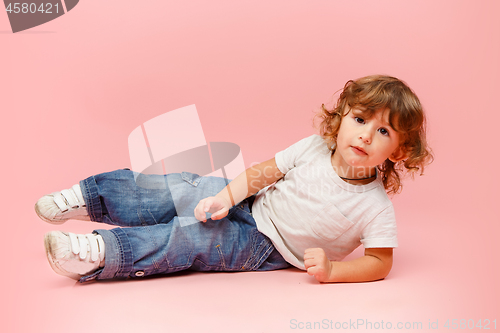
{"points": [[362, 166]]}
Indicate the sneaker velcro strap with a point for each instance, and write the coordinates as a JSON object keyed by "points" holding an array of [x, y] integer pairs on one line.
{"points": [[96, 247], [78, 192], [85, 244], [61, 202], [75, 244], [71, 198]]}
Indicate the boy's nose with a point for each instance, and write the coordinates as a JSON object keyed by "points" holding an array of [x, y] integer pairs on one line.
{"points": [[366, 137]]}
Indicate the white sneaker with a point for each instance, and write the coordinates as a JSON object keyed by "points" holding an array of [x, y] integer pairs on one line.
{"points": [[74, 255], [58, 207]]}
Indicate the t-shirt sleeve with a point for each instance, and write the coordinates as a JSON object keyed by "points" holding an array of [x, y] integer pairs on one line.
{"points": [[381, 231], [287, 159]]}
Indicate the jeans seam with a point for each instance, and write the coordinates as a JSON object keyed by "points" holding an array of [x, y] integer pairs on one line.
{"points": [[123, 266], [90, 206], [252, 250], [139, 216], [155, 264], [221, 255], [189, 262], [152, 216], [89, 186], [186, 266], [118, 249], [264, 255]]}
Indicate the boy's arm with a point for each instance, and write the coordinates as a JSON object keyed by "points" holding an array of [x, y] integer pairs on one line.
{"points": [[374, 265], [249, 182]]}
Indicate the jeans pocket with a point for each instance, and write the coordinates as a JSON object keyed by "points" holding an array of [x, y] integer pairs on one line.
{"points": [[261, 248], [191, 178]]}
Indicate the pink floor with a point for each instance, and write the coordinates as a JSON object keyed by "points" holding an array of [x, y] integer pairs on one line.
{"points": [[73, 89]]}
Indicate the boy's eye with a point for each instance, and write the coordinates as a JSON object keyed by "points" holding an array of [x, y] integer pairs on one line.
{"points": [[359, 120], [383, 131]]}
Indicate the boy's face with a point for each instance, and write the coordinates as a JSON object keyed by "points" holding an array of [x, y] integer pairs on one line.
{"points": [[367, 142]]}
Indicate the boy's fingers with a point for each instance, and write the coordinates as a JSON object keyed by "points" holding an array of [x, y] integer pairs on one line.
{"points": [[219, 214], [199, 212], [309, 252], [308, 263], [208, 204]]}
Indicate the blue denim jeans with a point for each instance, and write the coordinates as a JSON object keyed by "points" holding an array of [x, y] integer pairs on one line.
{"points": [[162, 235]]}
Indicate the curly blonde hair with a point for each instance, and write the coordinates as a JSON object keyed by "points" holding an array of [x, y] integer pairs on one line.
{"points": [[406, 116]]}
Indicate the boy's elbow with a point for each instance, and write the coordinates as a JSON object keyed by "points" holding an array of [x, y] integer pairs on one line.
{"points": [[384, 260], [386, 269], [383, 269]]}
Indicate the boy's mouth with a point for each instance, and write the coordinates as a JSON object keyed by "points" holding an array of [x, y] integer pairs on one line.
{"points": [[359, 150]]}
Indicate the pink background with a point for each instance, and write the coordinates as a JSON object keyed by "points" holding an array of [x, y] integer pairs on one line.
{"points": [[73, 89]]}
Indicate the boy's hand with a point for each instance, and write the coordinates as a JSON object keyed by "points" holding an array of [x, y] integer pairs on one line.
{"points": [[317, 264], [218, 207]]}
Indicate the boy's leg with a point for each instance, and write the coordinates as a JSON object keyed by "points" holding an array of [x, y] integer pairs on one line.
{"points": [[229, 244], [125, 198], [167, 248]]}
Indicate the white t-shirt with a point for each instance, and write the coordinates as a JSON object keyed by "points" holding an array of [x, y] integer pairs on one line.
{"points": [[311, 206]]}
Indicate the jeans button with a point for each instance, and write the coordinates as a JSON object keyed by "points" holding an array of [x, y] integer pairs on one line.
{"points": [[139, 273]]}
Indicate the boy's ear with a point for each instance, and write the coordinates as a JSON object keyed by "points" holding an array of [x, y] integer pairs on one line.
{"points": [[398, 155]]}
